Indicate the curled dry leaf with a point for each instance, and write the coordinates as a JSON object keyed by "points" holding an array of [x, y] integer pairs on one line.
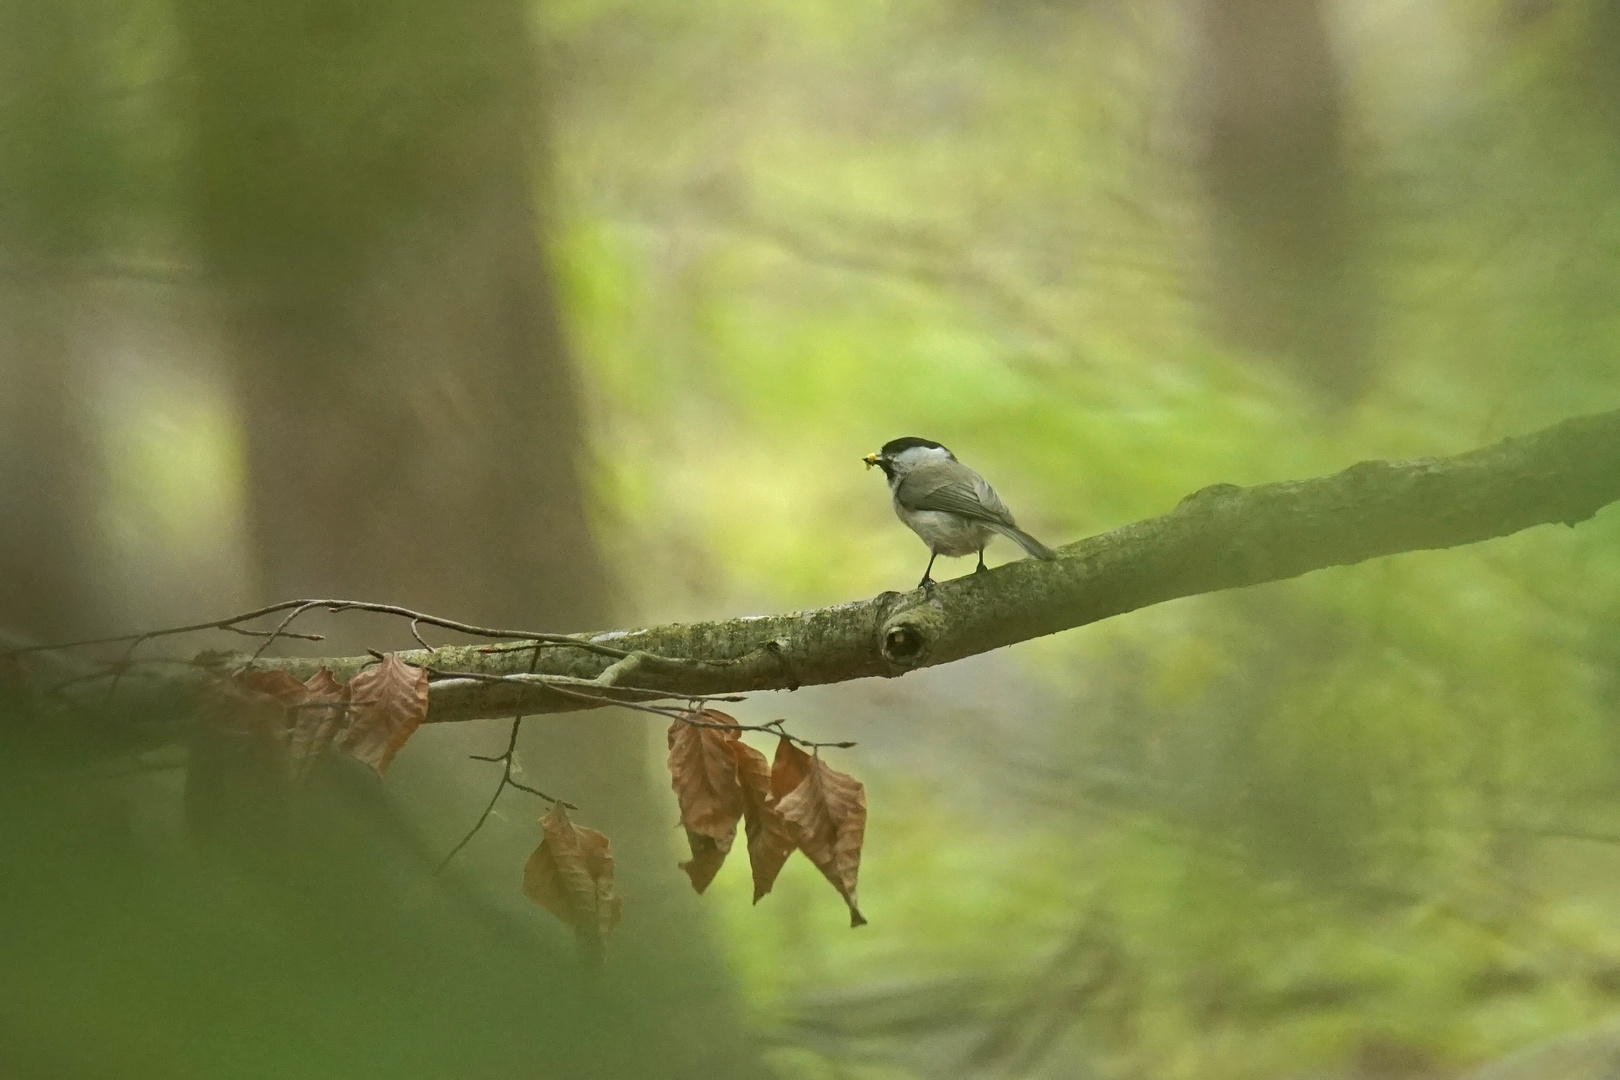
{"points": [[273, 683], [295, 722], [707, 857], [826, 811], [316, 722], [703, 772], [789, 769], [258, 707], [386, 704], [571, 875], [797, 801], [770, 840]]}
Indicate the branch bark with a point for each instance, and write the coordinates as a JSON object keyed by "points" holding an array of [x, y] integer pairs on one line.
{"points": [[1221, 537]]}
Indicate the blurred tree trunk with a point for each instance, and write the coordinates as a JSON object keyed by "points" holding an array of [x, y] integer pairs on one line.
{"points": [[1284, 218], [366, 198], [366, 201], [50, 149], [46, 501], [1591, 60]]}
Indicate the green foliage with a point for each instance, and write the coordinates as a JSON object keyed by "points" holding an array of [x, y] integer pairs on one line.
{"points": [[1320, 821], [1364, 817]]}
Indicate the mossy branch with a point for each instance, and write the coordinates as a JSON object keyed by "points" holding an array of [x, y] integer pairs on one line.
{"points": [[1221, 537]]}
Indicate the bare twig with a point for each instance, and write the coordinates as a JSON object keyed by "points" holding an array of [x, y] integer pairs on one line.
{"points": [[550, 682], [267, 633], [122, 665], [586, 690], [298, 607], [116, 671], [417, 634], [270, 639], [506, 760], [688, 716]]}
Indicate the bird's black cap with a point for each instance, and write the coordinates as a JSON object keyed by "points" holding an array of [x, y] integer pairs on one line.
{"points": [[895, 446]]}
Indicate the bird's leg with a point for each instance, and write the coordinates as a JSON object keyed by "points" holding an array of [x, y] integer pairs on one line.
{"points": [[928, 578], [981, 567]]}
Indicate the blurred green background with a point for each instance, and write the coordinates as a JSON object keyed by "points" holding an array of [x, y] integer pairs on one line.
{"points": [[582, 313]]}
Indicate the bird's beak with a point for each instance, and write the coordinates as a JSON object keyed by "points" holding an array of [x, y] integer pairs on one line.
{"points": [[871, 459]]}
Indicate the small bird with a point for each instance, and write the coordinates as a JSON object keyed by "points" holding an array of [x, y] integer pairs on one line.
{"points": [[947, 504]]}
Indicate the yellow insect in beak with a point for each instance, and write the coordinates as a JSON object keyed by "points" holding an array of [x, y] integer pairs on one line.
{"points": [[871, 459]]}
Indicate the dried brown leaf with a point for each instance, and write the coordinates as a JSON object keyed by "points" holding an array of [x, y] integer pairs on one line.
{"points": [[386, 704], [293, 723], [703, 772], [707, 858], [323, 686], [789, 769], [316, 722], [770, 839], [271, 682], [571, 875], [258, 706], [827, 812]]}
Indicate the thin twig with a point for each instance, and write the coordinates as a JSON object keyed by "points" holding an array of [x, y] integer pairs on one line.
{"points": [[122, 666], [582, 689], [537, 791], [270, 639], [548, 682], [218, 624], [115, 671], [299, 606], [245, 632], [688, 717], [506, 761]]}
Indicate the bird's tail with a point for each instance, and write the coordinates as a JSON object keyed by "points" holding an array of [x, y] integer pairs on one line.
{"points": [[1032, 547]]}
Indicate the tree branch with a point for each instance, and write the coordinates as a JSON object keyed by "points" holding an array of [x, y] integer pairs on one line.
{"points": [[1222, 537]]}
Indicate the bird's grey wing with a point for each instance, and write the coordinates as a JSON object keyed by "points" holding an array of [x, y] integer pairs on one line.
{"points": [[992, 502], [955, 488]]}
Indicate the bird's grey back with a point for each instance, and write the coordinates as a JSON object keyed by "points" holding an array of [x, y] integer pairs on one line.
{"points": [[952, 487]]}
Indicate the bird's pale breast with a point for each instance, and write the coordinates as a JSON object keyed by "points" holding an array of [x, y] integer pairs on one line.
{"points": [[945, 533]]}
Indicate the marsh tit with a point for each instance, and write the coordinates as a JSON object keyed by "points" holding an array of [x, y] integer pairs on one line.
{"points": [[946, 503]]}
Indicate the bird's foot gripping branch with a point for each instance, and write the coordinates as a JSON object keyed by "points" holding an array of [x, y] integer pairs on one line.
{"points": [[1218, 538]]}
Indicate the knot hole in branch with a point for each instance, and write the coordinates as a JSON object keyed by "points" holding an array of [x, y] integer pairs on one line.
{"points": [[903, 645]]}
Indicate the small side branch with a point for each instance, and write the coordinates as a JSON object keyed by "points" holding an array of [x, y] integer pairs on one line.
{"points": [[296, 608], [506, 761]]}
